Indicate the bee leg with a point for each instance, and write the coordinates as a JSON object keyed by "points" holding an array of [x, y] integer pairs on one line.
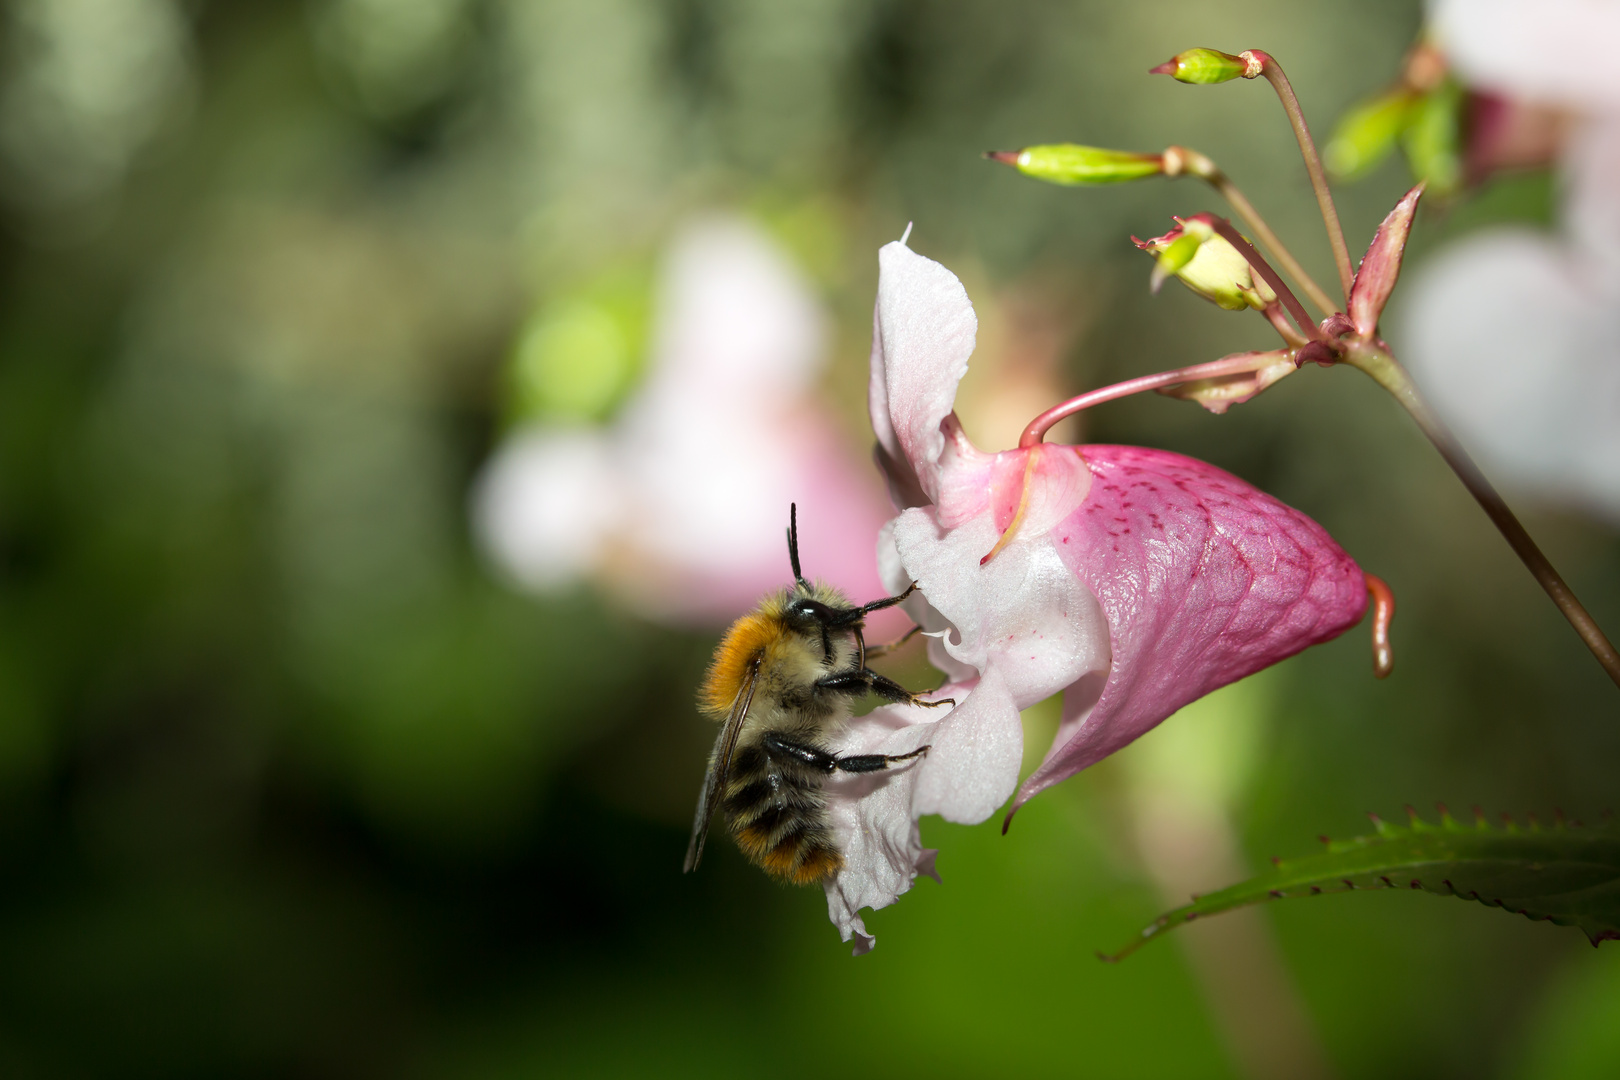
{"points": [[889, 690], [887, 601], [857, 681], [820, 759], [859, 763], [812, 756], [879, 650]]}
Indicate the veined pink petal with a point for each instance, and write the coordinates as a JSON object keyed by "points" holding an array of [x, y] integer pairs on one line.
{"points": [[1204, 579]]}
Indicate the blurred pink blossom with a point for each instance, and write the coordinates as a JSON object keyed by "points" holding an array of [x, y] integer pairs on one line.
{"points": [[679, 505], [1134, 581], [1510, 332]]}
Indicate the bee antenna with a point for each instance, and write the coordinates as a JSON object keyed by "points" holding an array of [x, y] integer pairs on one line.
{"points": [[793, 544]]}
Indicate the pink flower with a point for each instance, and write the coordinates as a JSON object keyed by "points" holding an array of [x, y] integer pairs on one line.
{"points": [[1132, 580], [677, 506], [1510, 330]]}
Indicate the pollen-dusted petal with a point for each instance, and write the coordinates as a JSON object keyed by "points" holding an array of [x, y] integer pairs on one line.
{"points": [[1204, 579], [1023, 616], [923, 332]]}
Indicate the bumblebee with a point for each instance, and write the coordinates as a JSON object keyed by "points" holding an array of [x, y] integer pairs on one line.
{"points": [[783, 682]]}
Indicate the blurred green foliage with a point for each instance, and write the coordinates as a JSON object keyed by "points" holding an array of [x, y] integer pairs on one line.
{"points": [[290, 785]]}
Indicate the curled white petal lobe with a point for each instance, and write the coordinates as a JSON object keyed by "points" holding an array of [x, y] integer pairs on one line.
{"points": [[924, 331]]}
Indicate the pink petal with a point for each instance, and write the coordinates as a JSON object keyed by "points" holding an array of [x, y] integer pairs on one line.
{"points": [[1382, 265], [923, 333], [1204, 579]]}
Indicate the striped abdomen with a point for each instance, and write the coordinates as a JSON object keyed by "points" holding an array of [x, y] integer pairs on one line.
{"points": [[776, 810]]}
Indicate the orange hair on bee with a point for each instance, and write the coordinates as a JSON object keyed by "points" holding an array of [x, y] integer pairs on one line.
{"points": [[749, 636], [790, 858]]}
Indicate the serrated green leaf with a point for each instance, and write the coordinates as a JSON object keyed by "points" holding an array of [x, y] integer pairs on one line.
{"points": [[1565, 874]]}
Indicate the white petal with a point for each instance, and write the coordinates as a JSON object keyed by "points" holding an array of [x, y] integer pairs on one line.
{"points": [[924, 331], [936, 627], [972, 766], [1026, 623], [873, 819]]}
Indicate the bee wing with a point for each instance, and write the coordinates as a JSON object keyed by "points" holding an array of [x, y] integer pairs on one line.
{"points": [[720, 765]]}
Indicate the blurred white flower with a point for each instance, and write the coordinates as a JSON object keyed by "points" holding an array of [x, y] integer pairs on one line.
{"points": [[679, 506], [1510, 332]]}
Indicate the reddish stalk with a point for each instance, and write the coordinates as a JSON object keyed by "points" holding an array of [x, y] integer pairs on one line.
{"points": [[1259, 265], [1039, 426], [1389, 374], [1273, 73]]}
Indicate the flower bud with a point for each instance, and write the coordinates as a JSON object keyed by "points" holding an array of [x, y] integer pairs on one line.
{"points": [[1204, 66], [1070, 163], [1207, 264]]}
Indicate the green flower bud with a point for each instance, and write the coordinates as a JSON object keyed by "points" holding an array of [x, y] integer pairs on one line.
{"points": [[1175, 258], [1205, 66], [1070, 163], [1208, 265], [1368, 133]]}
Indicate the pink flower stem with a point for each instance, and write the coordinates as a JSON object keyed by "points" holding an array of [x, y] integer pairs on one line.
{"points": [[1279, 322], [1377, 362], [1273, 73], [1039, 426], [1184, 161]]}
